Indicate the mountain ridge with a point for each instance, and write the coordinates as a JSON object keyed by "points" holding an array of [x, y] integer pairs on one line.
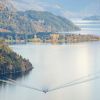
{"points": [[32, 21]]}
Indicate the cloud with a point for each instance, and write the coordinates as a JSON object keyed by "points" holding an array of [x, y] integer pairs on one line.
{"points": [[43, 6], [57, 8], [28, 5], [92, 9], [36, 5]]}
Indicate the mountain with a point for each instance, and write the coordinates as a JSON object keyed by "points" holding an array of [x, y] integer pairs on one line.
{"points": [[31, 21], [92, 18], [7, 5]]}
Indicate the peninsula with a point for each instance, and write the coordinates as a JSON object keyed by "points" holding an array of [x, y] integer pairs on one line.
{"points": [[12, 63]]}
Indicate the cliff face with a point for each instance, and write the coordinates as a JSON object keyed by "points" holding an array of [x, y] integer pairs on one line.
{"points": [[11, 63]]}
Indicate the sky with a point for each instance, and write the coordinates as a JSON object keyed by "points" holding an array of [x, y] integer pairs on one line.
{"points": [[66, 8]]}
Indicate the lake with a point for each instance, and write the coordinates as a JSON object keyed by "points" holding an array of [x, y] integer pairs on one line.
{"points": [[55, 65]]}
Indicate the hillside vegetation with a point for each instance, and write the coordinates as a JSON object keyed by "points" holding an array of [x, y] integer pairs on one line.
{"points": [[12, 63], [32, 21]]}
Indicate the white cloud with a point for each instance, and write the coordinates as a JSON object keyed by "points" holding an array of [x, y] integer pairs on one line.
{"points": [[35, 5], [57, 8], [44, 6], [27, 5], [92, 9]]}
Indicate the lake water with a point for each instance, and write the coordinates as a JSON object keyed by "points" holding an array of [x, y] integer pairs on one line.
{"points": [[55, 65]]}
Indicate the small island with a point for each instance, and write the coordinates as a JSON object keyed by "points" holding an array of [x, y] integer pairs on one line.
{"points": [[12, 63]]}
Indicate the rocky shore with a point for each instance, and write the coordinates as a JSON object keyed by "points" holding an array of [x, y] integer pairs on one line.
{"points": [[12, 63]]}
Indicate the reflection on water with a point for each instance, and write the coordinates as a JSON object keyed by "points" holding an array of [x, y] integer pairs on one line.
{"points": [[56, 65], [12, 76]]}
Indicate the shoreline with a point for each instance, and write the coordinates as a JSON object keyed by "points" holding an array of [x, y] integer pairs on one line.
{"points": [[59, 39], [12, 63]]}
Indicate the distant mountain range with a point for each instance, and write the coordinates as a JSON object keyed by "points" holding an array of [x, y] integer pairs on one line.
{"points": [[92, 18], [31, 21]]}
